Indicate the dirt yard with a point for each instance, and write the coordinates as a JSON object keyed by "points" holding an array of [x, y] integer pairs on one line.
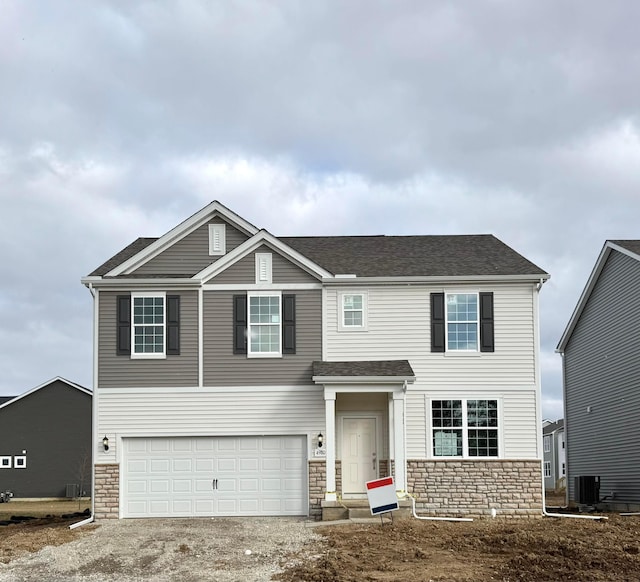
{"points": [[19, 536], [410, 550], [501, 550]]}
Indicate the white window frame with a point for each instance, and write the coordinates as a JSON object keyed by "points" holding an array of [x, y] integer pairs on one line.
{"points": [[20, 462], [465, 429], [149, 355], [250, 353], [547, 444], [264, 268], [5, 458], [217, 239], [547, 468], [446, 322], [341, 311]]}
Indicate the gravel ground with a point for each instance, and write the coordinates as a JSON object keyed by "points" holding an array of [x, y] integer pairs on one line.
{"points": [[189, 550]]}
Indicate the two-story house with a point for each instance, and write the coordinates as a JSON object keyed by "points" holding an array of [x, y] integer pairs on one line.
{"points": [[601, 373], [239, 373]]}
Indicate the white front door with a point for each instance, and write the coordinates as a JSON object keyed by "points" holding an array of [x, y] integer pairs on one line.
{"points": [[359, 454]]}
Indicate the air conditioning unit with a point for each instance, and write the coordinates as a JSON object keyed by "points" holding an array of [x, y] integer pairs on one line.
{"points": [[587, 490], [73, 490]]}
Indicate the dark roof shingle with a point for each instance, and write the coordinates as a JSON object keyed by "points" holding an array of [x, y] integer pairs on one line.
{"points": [[630, 245], [366, 368], [408, 256]]}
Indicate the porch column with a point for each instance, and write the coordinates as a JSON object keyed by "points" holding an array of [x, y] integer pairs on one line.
{"points": [[399, 444], [330, 422]]}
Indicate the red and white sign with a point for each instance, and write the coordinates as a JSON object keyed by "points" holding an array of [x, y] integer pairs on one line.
{"points": [[382, 495]]}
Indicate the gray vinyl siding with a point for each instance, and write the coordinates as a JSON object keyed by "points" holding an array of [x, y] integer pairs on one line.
{"points": [[191, 254], [121, 371], [244, 271], [53, 426], [223, 368], [602, 371]]}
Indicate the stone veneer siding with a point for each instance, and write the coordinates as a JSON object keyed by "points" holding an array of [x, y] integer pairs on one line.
{"points": [[107, 492], [473, 488], [318, 486]]}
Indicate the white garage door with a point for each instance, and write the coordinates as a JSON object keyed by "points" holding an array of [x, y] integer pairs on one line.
{"points": [[204, 476]]}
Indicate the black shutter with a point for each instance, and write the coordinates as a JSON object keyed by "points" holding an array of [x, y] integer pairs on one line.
{"points": [[173, 325], [123, 325], [239, 324], [288, 324], [437, 322], [486, 322]]}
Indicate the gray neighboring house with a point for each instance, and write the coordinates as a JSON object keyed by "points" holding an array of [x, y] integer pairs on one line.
{"points": [[553, 447], [601, 371], [45, 441]]}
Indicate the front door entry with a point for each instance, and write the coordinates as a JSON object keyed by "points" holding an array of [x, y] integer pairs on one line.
{"points": [[359, 454]]}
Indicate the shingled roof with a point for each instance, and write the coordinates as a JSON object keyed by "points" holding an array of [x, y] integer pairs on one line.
{"points": [[391, 256], [407, 256], [364, 368]]}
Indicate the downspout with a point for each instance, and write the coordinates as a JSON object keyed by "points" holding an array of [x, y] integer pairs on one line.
{"points": [[545, 513], [91, 518]]}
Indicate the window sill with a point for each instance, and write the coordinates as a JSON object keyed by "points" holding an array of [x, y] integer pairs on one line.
{"points": [[265, 356], [462, 354], [148, 356]]}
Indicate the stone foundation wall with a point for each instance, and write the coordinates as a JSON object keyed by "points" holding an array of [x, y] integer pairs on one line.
{"points": [[473, 488], [107, 492], [318, 485]]}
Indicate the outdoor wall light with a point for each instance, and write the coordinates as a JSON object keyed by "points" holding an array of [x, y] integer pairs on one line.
{"points": [[105, 443], [320, 440]]}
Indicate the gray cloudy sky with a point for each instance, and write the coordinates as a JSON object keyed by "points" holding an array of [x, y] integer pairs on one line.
{"points": [[121, 119]]}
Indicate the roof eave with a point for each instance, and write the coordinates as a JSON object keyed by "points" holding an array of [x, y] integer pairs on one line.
{"points": [[363, 379], [586, 293], [533, 278], [129, 282]]}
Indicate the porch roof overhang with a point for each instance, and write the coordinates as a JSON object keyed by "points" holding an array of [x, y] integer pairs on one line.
{"points": [[363, 372]]}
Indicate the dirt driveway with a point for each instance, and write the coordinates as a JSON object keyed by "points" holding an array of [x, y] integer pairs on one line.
{"points": [[189, 550]]}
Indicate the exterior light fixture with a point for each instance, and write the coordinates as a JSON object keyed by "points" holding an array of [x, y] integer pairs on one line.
{"points": [[320, 440], [105, 443]]}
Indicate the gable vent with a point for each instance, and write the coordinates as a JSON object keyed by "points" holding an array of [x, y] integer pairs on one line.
{"points": [[217, 239], [263, 267]]}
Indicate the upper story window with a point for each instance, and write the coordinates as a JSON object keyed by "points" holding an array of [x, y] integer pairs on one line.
{"points": [[462, 322], [464, 428], [547, 444], [148, 329], [353, 311], [148, 325], [217, 239], [265, 325]]}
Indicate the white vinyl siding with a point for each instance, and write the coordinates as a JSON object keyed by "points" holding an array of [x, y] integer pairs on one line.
{"points": [[399, 328], [232, 411]]}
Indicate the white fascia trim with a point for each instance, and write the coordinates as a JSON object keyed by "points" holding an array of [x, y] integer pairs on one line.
{"points": [[141, 284], [177, 233], [208, 389], [44, 385], [262, 287], [337, 281], [586, 292], [391, 380], [262, 237]]}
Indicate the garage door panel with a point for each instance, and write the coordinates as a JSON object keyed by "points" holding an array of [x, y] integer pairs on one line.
{"points": [[210, 476], [204, 465]]}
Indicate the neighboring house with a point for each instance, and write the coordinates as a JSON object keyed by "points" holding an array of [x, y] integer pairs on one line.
{"points": [[601, 370], [555, 463], [45, 441], [239, 373]]}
